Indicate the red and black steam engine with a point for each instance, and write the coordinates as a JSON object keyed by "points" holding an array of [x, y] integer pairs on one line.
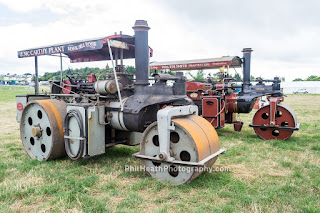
{"points": [[219, 101]]}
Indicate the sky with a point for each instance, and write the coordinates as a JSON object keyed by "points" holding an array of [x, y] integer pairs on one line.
{"points": [[285, 35]]}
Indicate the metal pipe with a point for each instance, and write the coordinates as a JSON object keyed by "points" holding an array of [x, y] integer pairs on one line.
{"points": [[246, 68], [36, 85], [141, 52], [115, 76]]}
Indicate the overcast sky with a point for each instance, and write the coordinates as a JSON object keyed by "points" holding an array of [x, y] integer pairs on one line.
{"points": [[284, 34]]}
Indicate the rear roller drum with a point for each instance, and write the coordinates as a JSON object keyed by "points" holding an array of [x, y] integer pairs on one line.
{"points": [[193, 139], [284, 117], [41, 129]]}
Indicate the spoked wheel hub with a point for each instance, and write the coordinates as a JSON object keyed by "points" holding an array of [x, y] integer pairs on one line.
{"points": [[284, 117], [192, 140], [41, 129]]}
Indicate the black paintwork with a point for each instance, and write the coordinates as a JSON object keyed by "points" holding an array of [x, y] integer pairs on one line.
{"points": [[140, 109], [249, 93]]}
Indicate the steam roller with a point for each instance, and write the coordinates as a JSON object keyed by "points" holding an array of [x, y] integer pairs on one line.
{"points": [[41, 129], [221, 98], [275, 121], [82, 116]]}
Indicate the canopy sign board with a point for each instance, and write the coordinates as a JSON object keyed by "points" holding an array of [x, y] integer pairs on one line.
{"points": [[88, 50], [65, 48], [210, 63]]}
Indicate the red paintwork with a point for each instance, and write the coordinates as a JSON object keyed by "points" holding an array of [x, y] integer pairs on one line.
{"points": [[213, 110], [196, 86], [66, 89], [20, 106], [230, 117], [231, 100], [199, 91], [256, 104], [219, 86], [91, 78], [262, 117], [273, 109]]}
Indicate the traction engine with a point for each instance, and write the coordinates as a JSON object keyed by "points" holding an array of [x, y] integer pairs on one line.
{"points": [[218, 101], [81, 117]]}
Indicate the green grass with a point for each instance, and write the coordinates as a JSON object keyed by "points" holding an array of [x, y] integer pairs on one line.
{"points": [[264, 176], [8, 93]]}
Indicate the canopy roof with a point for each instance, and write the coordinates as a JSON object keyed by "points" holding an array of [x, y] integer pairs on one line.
{"points": [[210, 63], [86, 50]]}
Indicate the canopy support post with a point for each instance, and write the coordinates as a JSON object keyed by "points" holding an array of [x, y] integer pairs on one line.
{"points": [[36, 85], [121, 60], [61, 73], [116, 57]]}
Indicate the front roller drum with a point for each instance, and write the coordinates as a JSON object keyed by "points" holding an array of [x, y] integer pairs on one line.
{"points": [[193, 139], [41, 129], [284, 117]]}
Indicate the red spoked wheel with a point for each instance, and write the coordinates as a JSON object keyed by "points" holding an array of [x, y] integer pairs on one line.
{"points": [[284, 117]]}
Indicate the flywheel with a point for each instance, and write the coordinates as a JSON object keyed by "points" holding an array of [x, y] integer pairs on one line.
{"points": [[41, 129]]}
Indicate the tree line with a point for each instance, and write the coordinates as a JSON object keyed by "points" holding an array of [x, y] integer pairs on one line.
{"points": [[310, 78], [82, 72], [199, 76]]}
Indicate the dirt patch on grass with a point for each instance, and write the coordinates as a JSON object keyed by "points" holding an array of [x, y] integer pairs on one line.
{"points": [[8, 122], [21, 206], [242, 172], [301, 157], [23, 180]]}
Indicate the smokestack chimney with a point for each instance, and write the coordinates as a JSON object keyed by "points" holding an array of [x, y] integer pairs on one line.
{"points": [[246, 68], [141, 52]]}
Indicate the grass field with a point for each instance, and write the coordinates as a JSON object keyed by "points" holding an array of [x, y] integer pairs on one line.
{"points": [[264, 176]]}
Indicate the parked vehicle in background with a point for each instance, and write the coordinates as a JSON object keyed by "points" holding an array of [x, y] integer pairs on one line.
{"points": [[301, 91], [32, 84], [44, 83]]}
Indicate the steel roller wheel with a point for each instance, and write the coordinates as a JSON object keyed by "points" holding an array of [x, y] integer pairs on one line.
{"points": [[41, 129], [285, 117], [193, 139]]}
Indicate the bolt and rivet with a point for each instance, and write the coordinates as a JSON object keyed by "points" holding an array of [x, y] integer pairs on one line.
{"points": [[162, 156]]}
